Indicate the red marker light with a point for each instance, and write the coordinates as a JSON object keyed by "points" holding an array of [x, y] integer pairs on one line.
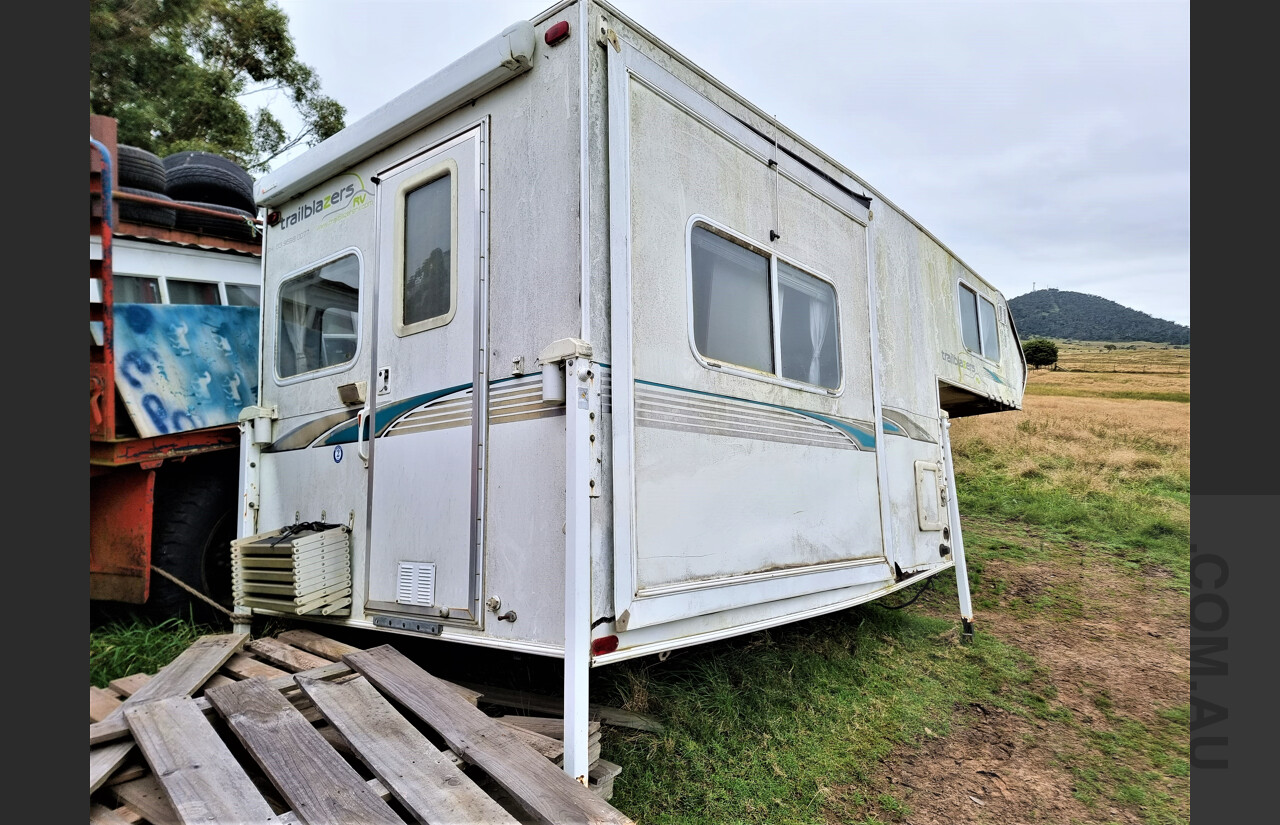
{"points": [[273, 218], [556, 33], [603, 645]]}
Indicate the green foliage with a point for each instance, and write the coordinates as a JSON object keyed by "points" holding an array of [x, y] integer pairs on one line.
{"points": [[1052, 313], [174, 75], [1040, 352]]}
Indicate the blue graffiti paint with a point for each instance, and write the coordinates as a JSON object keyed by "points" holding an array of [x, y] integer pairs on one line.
{"points": [[137, 318], [134, 361], [154, 408]]}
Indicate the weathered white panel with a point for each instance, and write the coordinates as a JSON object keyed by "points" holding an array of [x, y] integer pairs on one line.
{"points": [[710, 506]]}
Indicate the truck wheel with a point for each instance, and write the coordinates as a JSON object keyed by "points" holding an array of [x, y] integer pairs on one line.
{"points": [[135, 212], [195, 522], [238, 223], [209, 178], [139, 169]]}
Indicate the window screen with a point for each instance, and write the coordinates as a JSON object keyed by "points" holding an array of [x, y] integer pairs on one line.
{"points": [[808, 327], [319, 313], [732, 319], [969, 319], [990, 333], [428, 253]]}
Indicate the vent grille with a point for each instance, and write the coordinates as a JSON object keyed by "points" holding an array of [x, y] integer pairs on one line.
{"points": [[303, 572], [416, 583]]}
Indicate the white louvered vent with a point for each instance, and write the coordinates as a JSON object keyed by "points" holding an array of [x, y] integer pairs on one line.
{"points": [[416, 583]]}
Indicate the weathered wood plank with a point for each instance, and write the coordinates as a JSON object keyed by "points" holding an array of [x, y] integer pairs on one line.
{"points": [[217, 679], [115, 727], [426, 782], [534, 703], [199, 774], [286, 656], [146, 797], [545, 725], [243, 666], [102, 815], [189, 670], [312, 777], [128, 685], [542, 788], [313, 642], [102, 703]]}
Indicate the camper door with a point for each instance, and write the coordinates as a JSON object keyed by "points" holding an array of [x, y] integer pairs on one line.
{"points": [[742, 388], [424, 550]]}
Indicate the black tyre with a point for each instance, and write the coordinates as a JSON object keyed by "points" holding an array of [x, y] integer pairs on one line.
{"points": [[236, 225], [195, 521], [147, 213], [139, 169], [208, 178]]}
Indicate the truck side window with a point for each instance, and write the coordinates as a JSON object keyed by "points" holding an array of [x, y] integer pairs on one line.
{"points": [[319, 312], [978, 323], [429, 286], [243, 296], [133, 290], [193, 292]]}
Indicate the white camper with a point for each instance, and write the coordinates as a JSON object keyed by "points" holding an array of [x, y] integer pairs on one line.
{"points": [[571, 350]]}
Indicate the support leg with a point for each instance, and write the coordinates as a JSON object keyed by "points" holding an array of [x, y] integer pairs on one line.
{"points": [[957, 539], [577, 564]]}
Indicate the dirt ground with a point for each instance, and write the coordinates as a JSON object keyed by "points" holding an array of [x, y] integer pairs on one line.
{"points": [[1130, 644]]}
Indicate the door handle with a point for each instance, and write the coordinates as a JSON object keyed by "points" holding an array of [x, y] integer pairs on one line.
{"points": [[360, 442]]}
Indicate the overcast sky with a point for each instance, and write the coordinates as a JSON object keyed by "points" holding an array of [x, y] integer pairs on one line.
{"points": [[1045, 143]]}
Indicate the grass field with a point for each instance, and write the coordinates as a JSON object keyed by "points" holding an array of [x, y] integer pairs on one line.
{"points": [[1069, 705]]}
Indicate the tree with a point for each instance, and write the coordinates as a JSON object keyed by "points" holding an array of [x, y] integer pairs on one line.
{"points": [[1040, 352], [174, 73]]}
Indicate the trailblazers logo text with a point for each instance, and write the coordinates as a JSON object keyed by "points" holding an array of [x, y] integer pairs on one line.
{"points": [[353, 195]]}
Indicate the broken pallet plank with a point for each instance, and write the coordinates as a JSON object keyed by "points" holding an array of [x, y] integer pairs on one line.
{"points": [[310, 775], [285, 656], [425, 781], [545, 790], [199, 774], [145, 796], [183, 676], [102, 703]]}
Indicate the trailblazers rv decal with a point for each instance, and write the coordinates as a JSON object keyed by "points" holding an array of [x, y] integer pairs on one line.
{"points": [[347, 196]]}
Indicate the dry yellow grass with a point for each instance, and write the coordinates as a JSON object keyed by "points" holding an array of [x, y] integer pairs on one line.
{"points": [[1082, 444]]}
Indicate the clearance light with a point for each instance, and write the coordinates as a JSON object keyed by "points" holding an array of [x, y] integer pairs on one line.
{"points": [[603, 645], [557, 33]]}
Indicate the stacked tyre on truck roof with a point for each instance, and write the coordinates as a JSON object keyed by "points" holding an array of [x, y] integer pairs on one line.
{"points": [[210, 183]]}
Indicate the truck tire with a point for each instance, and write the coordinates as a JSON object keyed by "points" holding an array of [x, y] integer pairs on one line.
{"points": [[235, 225], [195, 522], [145, 212], [208, 178], [139, 169]]}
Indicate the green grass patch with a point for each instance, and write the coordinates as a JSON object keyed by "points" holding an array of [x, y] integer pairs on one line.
{"points": [[124, 647], [1131, 529], [782, 725], [1128, 395]]}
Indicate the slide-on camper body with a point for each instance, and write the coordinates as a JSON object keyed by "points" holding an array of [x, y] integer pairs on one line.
{"points": [[571, 348]]}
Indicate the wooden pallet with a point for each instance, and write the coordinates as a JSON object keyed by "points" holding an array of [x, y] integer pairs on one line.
{"points": [[300, 728]]}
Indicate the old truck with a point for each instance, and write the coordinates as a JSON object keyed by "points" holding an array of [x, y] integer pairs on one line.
{"points": [[174, 286], [571, 350]]}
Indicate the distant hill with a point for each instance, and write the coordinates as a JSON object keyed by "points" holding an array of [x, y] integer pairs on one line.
{"points": [[1053, 313]]}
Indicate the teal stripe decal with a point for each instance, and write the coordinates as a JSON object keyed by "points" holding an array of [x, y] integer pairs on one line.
{"points": [[387, 415], [862, 438]]}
